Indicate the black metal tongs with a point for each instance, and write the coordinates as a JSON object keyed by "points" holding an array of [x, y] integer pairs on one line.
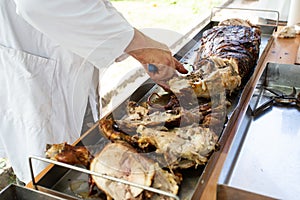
{"points": [[279, 98]]}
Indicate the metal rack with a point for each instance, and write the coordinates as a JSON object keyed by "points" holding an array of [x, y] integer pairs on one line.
{"points": [[86, 171]]}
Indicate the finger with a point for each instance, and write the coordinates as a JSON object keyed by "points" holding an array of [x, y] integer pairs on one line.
{"points": [[164, 85], [179, 67], [164, 72]]}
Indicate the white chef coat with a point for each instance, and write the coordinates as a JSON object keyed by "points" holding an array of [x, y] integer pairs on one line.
{"points": [[46, 73]]}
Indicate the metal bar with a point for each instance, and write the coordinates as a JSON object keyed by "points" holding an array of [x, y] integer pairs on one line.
{"points": [[248, 9], [261, 109], [99, 175], [276, 93], [32, 174], [297, 60]]}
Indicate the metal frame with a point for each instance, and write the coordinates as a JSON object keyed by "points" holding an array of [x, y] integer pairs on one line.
{"points": [[95, 174], [245, 9]]}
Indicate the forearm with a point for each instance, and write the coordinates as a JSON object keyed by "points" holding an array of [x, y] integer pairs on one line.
{"points": [[146, 50]]}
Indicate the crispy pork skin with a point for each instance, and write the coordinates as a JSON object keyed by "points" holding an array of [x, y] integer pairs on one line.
{"points": [[69, 154]]}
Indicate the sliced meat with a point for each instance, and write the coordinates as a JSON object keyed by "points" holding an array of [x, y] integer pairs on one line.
{"points": [[192, 142], [122, 161]]}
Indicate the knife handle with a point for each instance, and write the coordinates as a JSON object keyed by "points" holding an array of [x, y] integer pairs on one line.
{"points": [[152, 68], [263, 108]]}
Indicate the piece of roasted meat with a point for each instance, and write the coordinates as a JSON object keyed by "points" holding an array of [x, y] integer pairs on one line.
{"points": [[181, 147], [145, 115], [191, 144], [210, 77], [235, 41], [66, 153], [120, 160], [225, 60]]}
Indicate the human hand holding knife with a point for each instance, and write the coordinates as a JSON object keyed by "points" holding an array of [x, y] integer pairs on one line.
{"points": [[156, 58]]}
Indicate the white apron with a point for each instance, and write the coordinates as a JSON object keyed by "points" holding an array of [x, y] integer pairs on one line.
{"points": [[44, 92]]}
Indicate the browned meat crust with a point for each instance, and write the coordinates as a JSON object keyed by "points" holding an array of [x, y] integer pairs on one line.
{"points": [[232, 41]]}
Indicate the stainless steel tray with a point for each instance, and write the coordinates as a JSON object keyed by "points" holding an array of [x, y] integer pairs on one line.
{"points": [[58, 179], [15, 192], [264, 158]]}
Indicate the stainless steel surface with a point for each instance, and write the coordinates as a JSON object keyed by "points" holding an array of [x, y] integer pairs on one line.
{"points": [[265, 155], [59, 178], [15, 192]]}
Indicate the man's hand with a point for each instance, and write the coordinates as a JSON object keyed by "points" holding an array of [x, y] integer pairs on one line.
{"points": [[155, 57]]}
